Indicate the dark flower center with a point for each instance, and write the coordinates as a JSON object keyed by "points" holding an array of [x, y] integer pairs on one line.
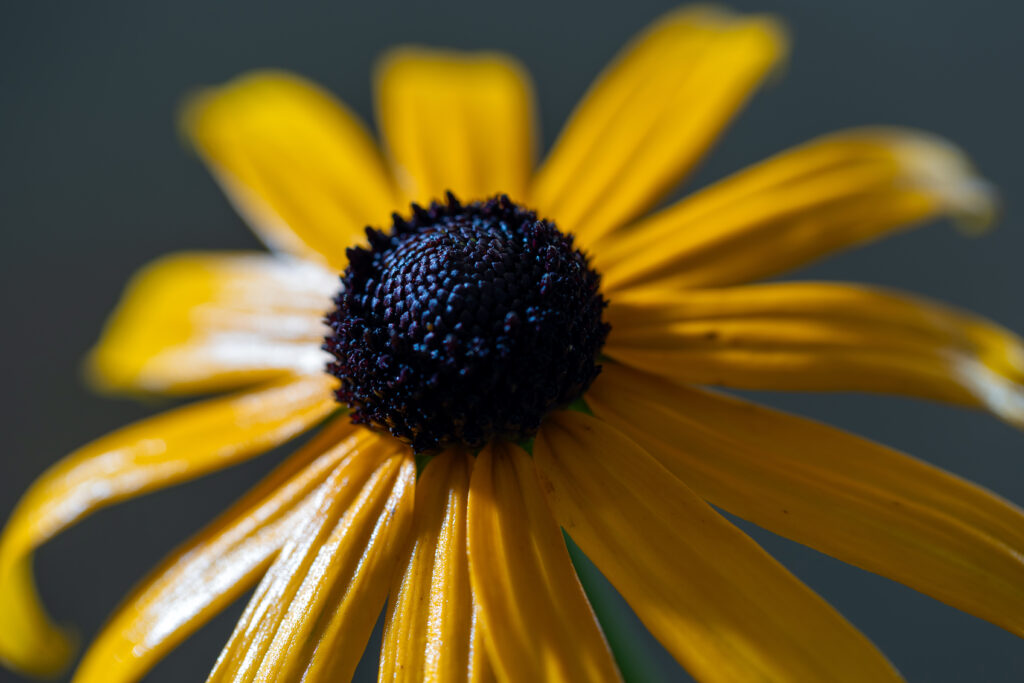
{"points": [[465, 322]]}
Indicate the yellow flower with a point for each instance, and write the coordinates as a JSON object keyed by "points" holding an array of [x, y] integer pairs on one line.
{"points": [[468, 555]]}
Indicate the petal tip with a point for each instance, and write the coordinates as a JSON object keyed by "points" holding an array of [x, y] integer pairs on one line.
{"points": [[99, 372], [976, 206], [421, 56], [945, 171], [771, 28], [199, 105], [48, 658]]}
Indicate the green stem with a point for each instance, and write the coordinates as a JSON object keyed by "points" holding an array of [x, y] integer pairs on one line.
{"points": [[629, 651]]}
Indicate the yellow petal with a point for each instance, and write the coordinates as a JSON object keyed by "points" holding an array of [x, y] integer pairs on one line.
{"points": [[821, 337], [537, 622], [456, 121], [845, 496], [834, 192], [219, 564], [721, 605], [431, 633], [199, 322], [651, 115], [301, 168], [313, 612], [154, 453]]}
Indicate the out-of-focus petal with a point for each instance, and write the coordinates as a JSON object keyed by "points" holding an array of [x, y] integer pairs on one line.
{"points": [[821, 337], [721, 605], [221, 562], [537, 622], [301, 168], [157, 452], [313, 612], [197, 322], [651, 116], [843, 495], [432, 633], [456, 121], [829, 194]]}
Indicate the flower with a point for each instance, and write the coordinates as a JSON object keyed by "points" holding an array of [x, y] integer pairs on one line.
{"points": [[550, 275]]}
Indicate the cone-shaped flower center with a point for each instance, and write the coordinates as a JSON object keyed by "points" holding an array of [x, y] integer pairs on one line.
{"points": [[465, 322]]}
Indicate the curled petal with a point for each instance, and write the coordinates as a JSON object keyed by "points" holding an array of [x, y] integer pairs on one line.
{"points": [[157, 452], [821, 337], [803, 204], [220, 563]]}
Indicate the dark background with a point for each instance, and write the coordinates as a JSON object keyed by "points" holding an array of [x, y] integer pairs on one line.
{"points": [[94, 182]]}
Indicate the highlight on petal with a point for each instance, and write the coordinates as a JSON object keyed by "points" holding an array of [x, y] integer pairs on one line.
{"points": [[157, 452], [832, 193], [721, 605], [312, 614], [537, 622], [432, 632], [456, 121], [301, 168], [821, 337], [202, 321], [214, 568], [845, 496], [651, 116]]}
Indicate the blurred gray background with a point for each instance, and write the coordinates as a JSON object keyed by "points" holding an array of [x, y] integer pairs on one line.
{"points": [[94, 182]]}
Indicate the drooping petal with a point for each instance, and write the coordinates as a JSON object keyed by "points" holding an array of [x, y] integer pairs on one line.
{"points": [[855, 500], [537, 622], [219, 564], [651, 115], [301, 168], [197, 322], [313, 612], [456, 121], [721, 605], [432, 633], [832, 193], [157, 452], [821, 337]]}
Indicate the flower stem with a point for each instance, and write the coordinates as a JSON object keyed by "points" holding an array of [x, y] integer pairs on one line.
{"points": [[631, 653]]}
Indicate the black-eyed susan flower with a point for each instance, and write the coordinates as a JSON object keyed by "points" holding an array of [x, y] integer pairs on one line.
{"points": [[536, 343]]}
